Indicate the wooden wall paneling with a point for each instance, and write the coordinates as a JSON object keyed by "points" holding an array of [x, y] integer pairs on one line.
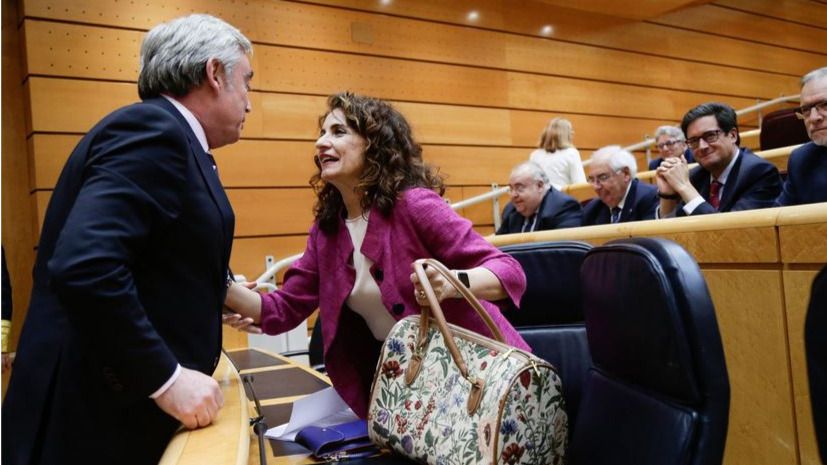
{"points": [[748, 26], [264, 212], [49, 153], [75, 50], [462, 165], [64, 105], [481, 214], [527, 17], [743, 245], [804, 243], [590, 131], [249, 253], [797, 288], [800, 11], [266, 163], [748, 305]]}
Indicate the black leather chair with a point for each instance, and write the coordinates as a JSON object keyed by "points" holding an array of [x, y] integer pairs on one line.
{"points": [[815, 343], [658, 390], [315, 349], [550, 317], [781, 128]]}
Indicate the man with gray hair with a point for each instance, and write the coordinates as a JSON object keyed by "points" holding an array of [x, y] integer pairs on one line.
{"points": [[124, 325], [620, 196], [807, 167], [670, 142], [535, 204]]}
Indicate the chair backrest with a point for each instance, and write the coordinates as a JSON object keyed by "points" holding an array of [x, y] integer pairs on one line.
{"points": [[781, 128], [550, 318], [658, 390], [552, 272], [815, 342]]}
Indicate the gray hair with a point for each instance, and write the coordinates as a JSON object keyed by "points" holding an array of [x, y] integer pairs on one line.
{"points": [[617, 158], [816, 73], [174, 54], [671, 131], [537, 172]]}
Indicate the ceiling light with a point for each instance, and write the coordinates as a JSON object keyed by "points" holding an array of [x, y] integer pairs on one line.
{"points": [[473, 15]]}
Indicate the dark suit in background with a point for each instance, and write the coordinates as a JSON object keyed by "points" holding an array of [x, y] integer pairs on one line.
{"points": [[752, 183], [557, 211], [653, 164], [641, 203], [129, 281], [806, 176]]}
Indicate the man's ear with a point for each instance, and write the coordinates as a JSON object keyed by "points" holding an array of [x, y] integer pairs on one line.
{"points": [[215, 74]]}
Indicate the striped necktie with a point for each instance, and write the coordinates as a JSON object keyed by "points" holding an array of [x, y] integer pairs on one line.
{"points": [[616, 214]]}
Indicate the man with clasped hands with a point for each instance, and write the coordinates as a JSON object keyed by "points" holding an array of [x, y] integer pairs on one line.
{"points": [[124, 325]]}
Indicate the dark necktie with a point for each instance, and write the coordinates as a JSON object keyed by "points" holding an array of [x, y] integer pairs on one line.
{"points": [[714, 190], [616, 214]]}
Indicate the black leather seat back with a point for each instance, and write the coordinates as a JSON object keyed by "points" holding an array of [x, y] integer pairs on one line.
{"points": [[550, 317], [781, 128], [658, 391], [815, 342], [552, 272]]}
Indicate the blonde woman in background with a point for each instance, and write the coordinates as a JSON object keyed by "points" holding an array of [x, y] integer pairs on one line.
{"points": [[557, 155]]}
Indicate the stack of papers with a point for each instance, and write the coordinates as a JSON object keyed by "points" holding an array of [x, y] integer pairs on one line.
{"points": [[322, 408]]}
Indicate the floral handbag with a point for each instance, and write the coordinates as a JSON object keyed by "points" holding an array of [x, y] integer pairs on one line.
{"points": [[444, 395]]}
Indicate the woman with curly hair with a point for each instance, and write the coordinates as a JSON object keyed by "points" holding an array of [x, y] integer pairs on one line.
{"points": [[378, 209]]}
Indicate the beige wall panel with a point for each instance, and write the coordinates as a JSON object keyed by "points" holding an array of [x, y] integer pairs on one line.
{"points": [[49, 152], [746, 26], [63, 105], [249, 253], [580, 192], [800, 11], [590, 131], [747, 245], [74, 50], [529, 91], [803, 243], [529, 16], [749, 308], [232, 339], [260, 163], [474, 165], [445, 124], [264, 212], [797, 288]]}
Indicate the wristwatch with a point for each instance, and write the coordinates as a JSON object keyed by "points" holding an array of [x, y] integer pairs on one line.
{"points": [[463, 278], [668, 196]]}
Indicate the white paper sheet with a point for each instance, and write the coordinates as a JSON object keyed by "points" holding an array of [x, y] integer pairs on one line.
{"points": [[322, 408]]}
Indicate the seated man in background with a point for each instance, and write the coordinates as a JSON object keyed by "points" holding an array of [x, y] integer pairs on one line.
{"points": [[670, 142], [729, 178], [807, 168], [621, 196], [536, 205]]}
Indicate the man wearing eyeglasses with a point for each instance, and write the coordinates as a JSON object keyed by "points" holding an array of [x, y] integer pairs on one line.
{"points": [[728, 178], [807, 167], [670, 142], [536, 205], [620, 196]]}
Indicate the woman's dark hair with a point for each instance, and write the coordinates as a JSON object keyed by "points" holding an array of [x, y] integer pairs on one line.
{"points": [[393, 160]]}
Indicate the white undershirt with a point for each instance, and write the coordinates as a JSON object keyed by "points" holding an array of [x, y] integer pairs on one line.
{"points": [[366, 298]]}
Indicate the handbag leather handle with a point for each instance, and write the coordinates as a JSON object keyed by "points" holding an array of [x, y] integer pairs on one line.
{"points": [[439, 317]]}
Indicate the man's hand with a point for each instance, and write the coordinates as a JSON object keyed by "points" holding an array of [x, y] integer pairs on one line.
{"points": [[674, 172], [193, 399]]}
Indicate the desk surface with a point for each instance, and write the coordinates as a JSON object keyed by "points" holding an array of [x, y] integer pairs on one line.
{"points": [[277, 382]]}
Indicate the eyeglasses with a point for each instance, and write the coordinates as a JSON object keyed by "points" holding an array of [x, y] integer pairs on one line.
{"points": [[601, 178], [805, 111], [668, 143], [521, 188], [709, 137]]}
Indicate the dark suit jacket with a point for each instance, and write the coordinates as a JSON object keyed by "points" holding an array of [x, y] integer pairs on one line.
{"points": [[557, 211], [653, 164], [752, 183], [640, 204], [129, 280], [806, 176]]}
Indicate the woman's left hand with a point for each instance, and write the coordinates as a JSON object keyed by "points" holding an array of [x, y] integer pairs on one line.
{"points": [[442, 287]]}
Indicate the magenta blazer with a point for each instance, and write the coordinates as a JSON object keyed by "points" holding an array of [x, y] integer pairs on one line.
{"points": [[421, 225]]}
